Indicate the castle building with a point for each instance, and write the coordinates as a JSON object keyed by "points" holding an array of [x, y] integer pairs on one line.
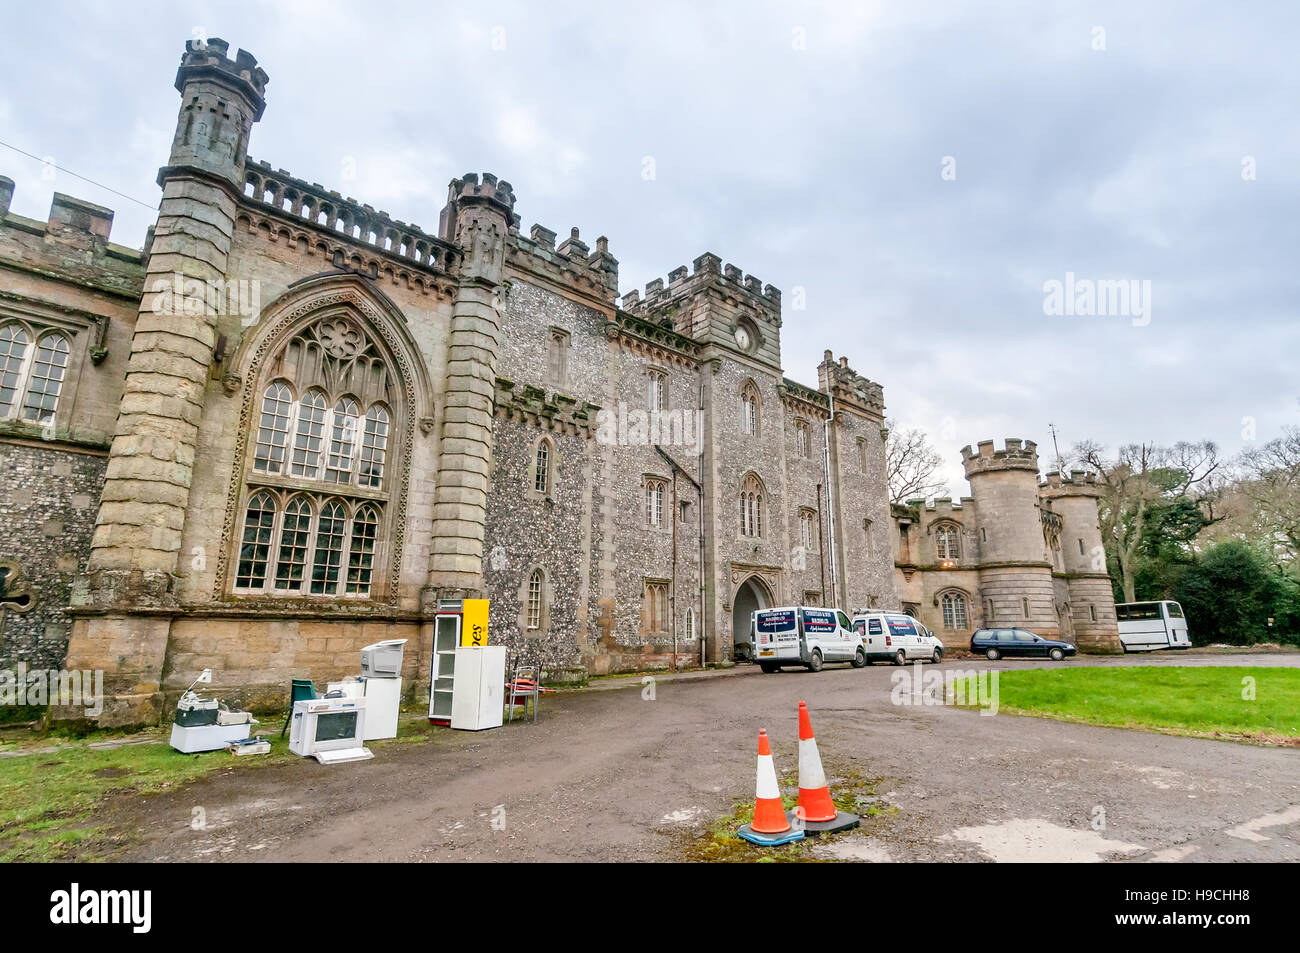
{"points": [[290, 424], [1016, 553]]}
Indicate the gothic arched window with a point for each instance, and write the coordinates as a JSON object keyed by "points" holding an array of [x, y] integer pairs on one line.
{"points": [[752, 498], [541, 474], [947, 541], [317, 506], [751, 405]]}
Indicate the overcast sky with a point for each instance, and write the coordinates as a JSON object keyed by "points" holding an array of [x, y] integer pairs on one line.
{"points": [[919, 169]]}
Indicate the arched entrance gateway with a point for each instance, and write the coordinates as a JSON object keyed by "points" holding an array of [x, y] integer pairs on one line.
{"points": [[752, 595]]}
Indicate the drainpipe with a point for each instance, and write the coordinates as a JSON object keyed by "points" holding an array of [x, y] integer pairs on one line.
{"points": [[830, 496], [821, 545], [672, 592], [678, 469]]}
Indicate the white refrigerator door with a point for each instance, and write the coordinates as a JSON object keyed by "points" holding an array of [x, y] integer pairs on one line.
{"points": [[479, 685]]}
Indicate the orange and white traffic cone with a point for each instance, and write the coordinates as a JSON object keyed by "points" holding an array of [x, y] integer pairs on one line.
{"points": [[815, 809], [770, 825]]}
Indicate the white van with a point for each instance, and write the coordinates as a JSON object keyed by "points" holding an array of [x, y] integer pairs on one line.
{"points": [[804, 635], [896, 637], [1147, 626]]}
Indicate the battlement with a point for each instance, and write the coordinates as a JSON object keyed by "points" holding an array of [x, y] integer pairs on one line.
{"points": [[530, 404], [938, 506], [313, 205], [1017, 454], [73, 242], [487, 188], [207, 59], [573, 263], [709, 274], [850, 389], [1074, 483]]}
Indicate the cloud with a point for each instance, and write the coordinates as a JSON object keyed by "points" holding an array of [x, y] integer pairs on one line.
{"points": [[810, 159]]}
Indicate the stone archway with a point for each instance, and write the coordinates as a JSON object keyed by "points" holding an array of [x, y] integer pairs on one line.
{"points": [[752, 594]]}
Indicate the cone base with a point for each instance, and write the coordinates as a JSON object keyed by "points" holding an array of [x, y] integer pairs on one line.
{"points": [[844, 821], [771, 840]]}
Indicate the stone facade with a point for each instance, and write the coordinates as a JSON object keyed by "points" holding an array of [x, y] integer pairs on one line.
{"points": [[1017, 553], [298, 423]]}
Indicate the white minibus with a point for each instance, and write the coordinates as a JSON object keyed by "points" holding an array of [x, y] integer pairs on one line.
{"points": [[1147, 626]]}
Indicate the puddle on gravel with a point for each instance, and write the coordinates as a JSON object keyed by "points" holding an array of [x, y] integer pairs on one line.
{"points": [[1032, 840]]}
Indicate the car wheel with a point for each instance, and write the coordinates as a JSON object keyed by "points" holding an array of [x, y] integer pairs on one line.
{"points": [[900, 657], [859, 659], [937, 657], [1056, 655], [993, 655], [815, 661], [767, 667]]}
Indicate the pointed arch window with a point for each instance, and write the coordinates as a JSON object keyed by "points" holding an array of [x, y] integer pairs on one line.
{"points": [[325, 419], [655, 491], [535, 599], [752, 501], [656, 391], [801, 437], [750, 409], [947, 542], [542, 467]]}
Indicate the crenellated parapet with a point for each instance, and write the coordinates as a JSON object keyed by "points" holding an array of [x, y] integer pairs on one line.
{"points": [[1074, 483], [72, 244], [572, 265], [851, 390], [1016, 454], [710, 276], [531, 405]]}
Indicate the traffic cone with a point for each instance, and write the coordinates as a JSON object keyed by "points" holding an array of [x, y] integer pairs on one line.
{"points": [[770, 825], [815, 811], [814, 793]]}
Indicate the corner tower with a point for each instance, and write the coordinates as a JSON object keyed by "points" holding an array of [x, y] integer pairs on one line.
{"points": [[133, 560], [1014, 571], [1083, 556]]}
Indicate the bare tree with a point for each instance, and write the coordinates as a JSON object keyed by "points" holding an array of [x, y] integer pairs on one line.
{"points": [[911, 465], [1271, 484], [1144, 478]]}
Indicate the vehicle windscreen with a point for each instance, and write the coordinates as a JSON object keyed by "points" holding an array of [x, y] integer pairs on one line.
{"points": [[1175, 610], [819, 622]]}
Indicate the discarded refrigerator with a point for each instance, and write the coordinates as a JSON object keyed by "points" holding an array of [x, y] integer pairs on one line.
{"points": [[479, 687]]}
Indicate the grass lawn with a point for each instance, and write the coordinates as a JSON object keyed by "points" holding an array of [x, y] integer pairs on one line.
{"points": [[48, 799], [1207, 702]]}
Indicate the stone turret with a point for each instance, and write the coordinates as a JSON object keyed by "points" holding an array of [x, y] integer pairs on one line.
{"points": [[478, 216], [1015, 575], [1092, 603], [137, 539]]}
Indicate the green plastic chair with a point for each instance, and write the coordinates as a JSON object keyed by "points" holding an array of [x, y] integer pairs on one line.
{"points": [[300, 689]]}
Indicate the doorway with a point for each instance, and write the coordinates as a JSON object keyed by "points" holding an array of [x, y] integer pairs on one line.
{"points": [[752, 595]]}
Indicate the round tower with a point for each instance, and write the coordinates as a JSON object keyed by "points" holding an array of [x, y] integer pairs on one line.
{"points": [[1014, 572], [1083, 555]]}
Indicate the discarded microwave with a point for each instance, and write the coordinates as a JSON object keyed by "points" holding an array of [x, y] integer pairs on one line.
{"points": [[329, 729]]}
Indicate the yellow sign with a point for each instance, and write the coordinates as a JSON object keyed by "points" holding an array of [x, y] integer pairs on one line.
{"points": [[474, 622]]}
